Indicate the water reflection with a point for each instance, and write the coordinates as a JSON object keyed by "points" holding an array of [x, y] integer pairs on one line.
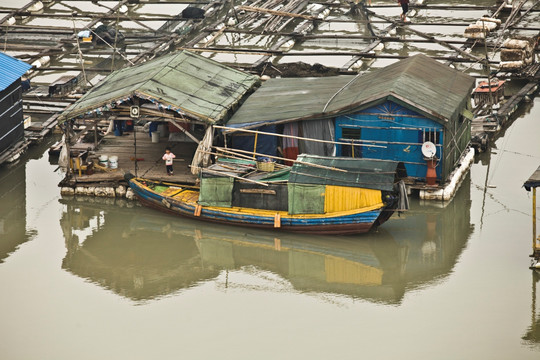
{"points": [[435, 234], [532, 336], [142, 254], [13, 210]]}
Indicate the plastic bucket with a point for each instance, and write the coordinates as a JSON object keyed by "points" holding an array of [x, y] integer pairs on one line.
{"points": [[103, 160], [155, 136], [113, 162]]}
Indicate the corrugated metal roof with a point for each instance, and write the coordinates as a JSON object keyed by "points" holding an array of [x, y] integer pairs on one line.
{"points": [[288, 98], [437, 90], [11, 69], [182, 81], [364, 173], [419, 81]]}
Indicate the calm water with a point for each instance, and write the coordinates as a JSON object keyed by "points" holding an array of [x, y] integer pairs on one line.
{"points": [[83, 279]]}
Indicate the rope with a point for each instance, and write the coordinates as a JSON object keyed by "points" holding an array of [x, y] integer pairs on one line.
{"points": [[81, 59]]}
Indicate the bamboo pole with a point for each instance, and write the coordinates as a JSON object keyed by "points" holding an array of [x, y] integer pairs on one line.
{"points": [[277, 13], [232, 130], [255, 144], [424, 35], [188, 134], [233, 151], [233, 176]]}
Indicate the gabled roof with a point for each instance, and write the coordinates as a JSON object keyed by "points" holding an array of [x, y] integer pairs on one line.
{"points": [[183, 82], [418, 82], [288, 99], [11, 69]]}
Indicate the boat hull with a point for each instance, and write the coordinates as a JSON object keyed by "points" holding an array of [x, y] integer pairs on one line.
{"points": [[349, 223]]}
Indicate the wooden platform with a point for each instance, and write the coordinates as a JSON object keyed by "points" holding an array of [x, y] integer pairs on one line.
{"points": [[149, 165]]}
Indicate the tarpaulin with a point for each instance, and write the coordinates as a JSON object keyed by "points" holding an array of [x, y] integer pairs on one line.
{"points": [[306, 199], [216, 191]]}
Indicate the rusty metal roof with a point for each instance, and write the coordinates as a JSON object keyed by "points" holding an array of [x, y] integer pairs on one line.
{"points": [[418, 82], [182, 82]]}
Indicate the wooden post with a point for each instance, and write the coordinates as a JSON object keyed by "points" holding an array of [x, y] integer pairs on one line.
{"points": [[66, 144], [95, 134], [534, 219], [136, 103], [255, 144]]}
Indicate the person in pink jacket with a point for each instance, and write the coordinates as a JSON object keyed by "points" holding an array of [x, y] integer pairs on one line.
{"points": [[168, 157], [405, 7]]}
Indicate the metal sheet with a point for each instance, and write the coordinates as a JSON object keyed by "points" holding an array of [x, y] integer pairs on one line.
{"points": [[434, 89], [182, 81], [11, 69]]}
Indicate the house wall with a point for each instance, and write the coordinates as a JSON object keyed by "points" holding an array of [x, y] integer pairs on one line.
{"points": [[11, 116], [402, 132]]}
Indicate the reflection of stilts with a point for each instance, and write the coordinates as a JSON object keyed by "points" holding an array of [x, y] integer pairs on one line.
{"points": [[533, 334], [532, 183], [429, 247]]}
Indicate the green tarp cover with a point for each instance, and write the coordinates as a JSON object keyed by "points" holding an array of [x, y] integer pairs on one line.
{"points": [[369, 174], [216, 191], [306, 199], [181, 81]]}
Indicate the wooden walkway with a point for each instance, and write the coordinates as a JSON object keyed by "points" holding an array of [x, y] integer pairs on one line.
{"points": [[149, 165]]}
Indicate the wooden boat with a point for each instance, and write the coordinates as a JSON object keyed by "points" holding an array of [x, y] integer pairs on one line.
{"points": [[317, 195]]}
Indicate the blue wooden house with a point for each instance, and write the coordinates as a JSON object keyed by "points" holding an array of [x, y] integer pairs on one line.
{"points": [[397, 108], [11, 114], [403, 106]]}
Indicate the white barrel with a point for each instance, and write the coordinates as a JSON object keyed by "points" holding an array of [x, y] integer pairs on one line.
{"points": [[103, 160], [155, 136], [113, 162]]}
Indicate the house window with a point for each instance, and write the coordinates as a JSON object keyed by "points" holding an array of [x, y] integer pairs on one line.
{"points": [[351, 133], [429, 135], [348, 134]]}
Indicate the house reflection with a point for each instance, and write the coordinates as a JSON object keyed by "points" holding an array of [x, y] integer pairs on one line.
{"points": [[435, 235], [143, 254], [13, 209]]}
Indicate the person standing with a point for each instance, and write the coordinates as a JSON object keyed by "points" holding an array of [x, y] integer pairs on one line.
{"points": [[168, 157], [405, 7]]}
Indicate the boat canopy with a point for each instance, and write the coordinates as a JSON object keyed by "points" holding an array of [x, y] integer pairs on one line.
{"points": [[369, 174]]}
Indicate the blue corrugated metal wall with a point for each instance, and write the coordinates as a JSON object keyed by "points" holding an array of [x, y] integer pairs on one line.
{"points": [[401, 130]]}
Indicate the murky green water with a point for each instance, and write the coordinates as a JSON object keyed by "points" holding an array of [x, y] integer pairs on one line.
{"points": [[86, 279], [82, 279]]}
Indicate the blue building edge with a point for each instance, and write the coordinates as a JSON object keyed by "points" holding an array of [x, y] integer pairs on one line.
{"points": [[12, 142]]}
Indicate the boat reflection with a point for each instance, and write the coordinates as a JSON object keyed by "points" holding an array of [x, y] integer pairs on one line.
{"points": [[142, 254]]}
